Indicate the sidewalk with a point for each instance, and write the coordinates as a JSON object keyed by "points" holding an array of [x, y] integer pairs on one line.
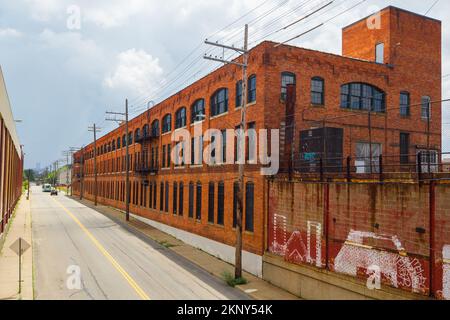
{"points": [[20, 227], [256, 288]]}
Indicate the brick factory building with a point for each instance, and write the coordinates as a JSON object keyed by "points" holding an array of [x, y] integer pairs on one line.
{"points": [[393, 71]]}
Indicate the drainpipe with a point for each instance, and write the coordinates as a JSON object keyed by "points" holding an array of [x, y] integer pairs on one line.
{"points": [[290, 122], [432, 235], [326, 218]]}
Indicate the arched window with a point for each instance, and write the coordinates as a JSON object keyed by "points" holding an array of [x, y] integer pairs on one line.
{"points": [[426, 108], [145, 130], [130, 138], [167, 123], [362, 96], [251, 89], [198, 110], [118, 143], [286, 78], [239, 94], [180, 118], [113, 145], [317, 91], [155, 128], [124, 140], [137, 134], [219, 102]]}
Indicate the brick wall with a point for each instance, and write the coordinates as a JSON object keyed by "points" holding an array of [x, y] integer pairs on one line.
{"points": [[267, 63]]}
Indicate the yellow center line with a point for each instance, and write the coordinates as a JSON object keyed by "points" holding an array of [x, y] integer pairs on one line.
{"points": [[99, 246]]}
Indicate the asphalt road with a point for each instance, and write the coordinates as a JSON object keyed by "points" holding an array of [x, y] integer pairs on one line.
{"points": [[80, 254]]}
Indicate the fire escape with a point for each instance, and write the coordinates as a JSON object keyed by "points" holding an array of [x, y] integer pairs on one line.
{"points": [[147, 163]]}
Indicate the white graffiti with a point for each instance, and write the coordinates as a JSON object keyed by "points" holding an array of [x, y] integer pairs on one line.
{"points": [[374, 279], [398, 268], [446, 273], [318, 227], [294, 248]]}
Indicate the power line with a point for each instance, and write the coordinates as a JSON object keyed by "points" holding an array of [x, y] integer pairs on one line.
{"points": [[175, 82], [132, 101], [163, 86], [432, 6]]}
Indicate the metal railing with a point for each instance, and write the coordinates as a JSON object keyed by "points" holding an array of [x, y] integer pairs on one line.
{"points": [[421, 166]]}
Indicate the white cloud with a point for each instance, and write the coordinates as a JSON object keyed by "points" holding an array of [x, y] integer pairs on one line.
{"points": [[136, 71], [44, 10], [79, 54], [115, 13], [9, 32]]}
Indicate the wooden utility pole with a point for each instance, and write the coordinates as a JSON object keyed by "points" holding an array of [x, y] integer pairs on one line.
{"points": [[94, 129], [241, 182], [127, 156], [72, 166]]}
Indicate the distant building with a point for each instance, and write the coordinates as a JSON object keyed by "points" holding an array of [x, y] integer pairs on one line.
{"points": [[65, 176]]}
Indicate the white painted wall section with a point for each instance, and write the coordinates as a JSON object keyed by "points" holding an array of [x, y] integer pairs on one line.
{"points": [[251, 262]]}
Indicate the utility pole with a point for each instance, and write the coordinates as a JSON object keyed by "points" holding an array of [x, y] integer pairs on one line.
{"points": [[67, 154], [94, 129], [127, 156], [241, 185], [72, 151]]}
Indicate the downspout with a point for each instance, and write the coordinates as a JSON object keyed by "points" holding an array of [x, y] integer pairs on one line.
{"points": [[432, 235]]}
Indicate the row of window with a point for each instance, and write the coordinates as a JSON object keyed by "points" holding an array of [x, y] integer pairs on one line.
{"points": [[146, 196], [149, 159], [354, 96]]}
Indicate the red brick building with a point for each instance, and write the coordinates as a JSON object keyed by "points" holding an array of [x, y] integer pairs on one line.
{"points": [[11, 160], [394, 71]]}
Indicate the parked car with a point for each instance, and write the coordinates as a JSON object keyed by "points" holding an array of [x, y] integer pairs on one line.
{"points": [[54, 192]]}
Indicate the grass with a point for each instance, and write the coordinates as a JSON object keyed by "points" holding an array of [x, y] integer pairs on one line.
{"points": [[166, 244], [232, 281]]}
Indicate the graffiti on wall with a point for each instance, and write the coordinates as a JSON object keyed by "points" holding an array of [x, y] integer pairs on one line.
{"points": [[397, 269], [446, 272], [300, 247]]}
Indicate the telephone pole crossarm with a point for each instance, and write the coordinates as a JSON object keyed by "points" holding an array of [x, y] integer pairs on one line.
{"points": [[226, 47], [224, 61]]}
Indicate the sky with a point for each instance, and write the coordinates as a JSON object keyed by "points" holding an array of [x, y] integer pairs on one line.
{"points": [[66, 62]]}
